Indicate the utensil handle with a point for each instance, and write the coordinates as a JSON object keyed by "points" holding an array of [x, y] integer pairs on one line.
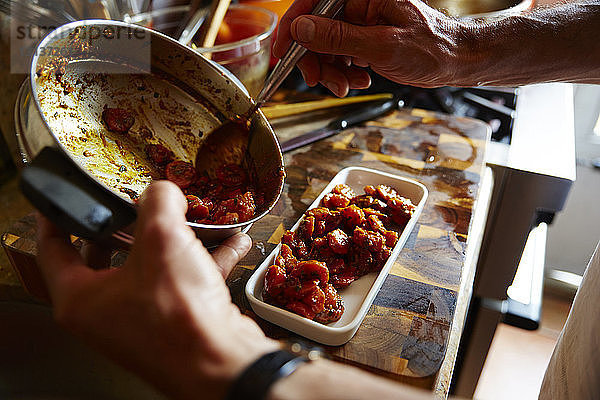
{"points": [[339, 124], [285, 110], [70, 199], [366, 114], [281, 71], [192, 28], [306, 139], [325, 8], [210, 27], [194, 7]]}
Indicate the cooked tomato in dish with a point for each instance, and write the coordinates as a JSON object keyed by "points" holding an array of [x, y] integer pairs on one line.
{"points": [[198, 209], [230, 198], [348, 236], [118, 120]]}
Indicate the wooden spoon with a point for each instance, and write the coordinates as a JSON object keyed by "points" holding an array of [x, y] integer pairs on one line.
{"points": [[210, 27]]}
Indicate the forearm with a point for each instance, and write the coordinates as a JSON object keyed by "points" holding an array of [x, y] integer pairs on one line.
{"points": [[550, 44], [329, 380]]}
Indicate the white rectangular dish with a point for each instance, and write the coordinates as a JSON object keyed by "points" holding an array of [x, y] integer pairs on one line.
{"points": [[359, 296]]}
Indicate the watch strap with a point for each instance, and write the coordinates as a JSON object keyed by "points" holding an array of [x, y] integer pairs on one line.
{"points": [[256, 380]]}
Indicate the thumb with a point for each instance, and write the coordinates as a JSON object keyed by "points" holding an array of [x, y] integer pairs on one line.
{"points": [[324, 35], [61, 265], [230, 252]]}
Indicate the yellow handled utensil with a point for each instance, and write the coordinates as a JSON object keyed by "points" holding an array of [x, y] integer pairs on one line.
{"points": [[285, 110]]}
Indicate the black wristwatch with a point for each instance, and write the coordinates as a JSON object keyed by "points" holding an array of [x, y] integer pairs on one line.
{"points": [[256, 380]]}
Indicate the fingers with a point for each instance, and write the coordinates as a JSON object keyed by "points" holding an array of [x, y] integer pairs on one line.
{"points": [[230, 252], [361, 12], [358, 78], [334, 79], [335, 73], [359, 62], [161, 228], [95, 255], [61, 265], [323, 35], [165, 199], [161, 214], [310, 67], [358, 12], [299, 7]]}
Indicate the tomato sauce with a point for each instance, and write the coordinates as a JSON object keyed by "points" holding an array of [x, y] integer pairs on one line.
{"points": [[345, 238]]}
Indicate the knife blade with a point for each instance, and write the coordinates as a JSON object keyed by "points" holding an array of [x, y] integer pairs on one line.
{"points": [[370, 112]]}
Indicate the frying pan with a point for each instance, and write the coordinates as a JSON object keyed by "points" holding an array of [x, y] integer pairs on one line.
{"points": [[84, 177]]}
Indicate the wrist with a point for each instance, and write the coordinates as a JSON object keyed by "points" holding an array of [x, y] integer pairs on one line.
{"points": [[471, 53], [461, 48], [487, 57], [234, 352], [295, 386], [222, 354], [255, 382], [543, 45]]}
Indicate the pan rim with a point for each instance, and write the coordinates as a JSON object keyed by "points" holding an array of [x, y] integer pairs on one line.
{"points": [[221, 70]]}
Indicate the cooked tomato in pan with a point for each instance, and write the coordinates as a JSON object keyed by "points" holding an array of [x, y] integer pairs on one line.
{"points": [[230, 198], [348, 236], [118, 120]]}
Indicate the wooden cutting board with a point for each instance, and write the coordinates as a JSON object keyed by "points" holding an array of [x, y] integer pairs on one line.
{"points": [[405, 334]]}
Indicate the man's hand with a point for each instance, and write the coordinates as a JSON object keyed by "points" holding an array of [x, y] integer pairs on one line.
{"points": [[167, 313], [410, 43], [403, 40]]}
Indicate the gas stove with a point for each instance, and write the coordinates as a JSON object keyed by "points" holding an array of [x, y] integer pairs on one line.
{"points": [[496, 106]]}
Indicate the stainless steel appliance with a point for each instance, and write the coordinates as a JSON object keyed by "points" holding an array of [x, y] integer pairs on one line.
{"points": [[533, 174]]}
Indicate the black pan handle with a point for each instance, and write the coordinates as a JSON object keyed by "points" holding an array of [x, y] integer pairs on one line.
{"points": [[70, 199]]}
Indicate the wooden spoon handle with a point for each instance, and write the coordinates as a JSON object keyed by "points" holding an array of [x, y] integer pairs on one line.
{"points": [[210, 27]]}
